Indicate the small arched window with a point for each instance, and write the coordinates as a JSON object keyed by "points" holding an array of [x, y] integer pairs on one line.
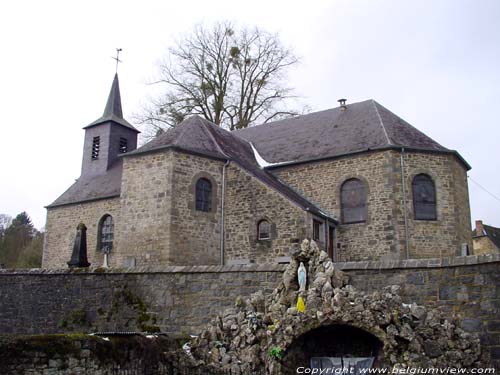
{"points": [[353, 201], [106, 233], [263, 230], [424, 197], [203, 195]]}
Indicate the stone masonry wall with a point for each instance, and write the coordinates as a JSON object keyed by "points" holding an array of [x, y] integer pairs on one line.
{"points": [[144, 231], [321, 182], [195, 235], [444, 236], [61, 230], [175, 299], [384, 231], [249, 201], [180, 300], [467, 286], [97, 355], [483, 245]]}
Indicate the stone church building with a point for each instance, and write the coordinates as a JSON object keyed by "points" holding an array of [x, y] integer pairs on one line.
{"points": [[358, 179]]}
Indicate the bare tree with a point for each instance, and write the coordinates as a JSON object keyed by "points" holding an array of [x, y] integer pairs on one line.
{"points": [[234, 78]]}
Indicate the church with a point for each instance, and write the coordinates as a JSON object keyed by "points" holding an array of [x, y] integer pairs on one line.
{"points": [[358, 179]]}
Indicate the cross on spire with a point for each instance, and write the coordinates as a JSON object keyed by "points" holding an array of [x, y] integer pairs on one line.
{"points": [[118, 50]]}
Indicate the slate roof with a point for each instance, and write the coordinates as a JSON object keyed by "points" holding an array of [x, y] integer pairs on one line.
{"points": [[361, 127], [191, 135], [113, 110], [492, 233], [93, 187], [202, 137]]}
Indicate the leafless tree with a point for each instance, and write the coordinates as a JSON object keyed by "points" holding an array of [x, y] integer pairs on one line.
{"points": [[234, 78]]}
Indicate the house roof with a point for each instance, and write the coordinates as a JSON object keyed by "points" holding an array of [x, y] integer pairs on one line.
{"points": [[360, 127], [113, 110], [93, 187], [492, 233], [199, 136]]}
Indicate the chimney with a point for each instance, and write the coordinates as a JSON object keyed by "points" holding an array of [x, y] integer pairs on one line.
{"points": [[479, 228], [343, 106]]}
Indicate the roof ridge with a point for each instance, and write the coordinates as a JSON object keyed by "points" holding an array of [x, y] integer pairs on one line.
{"points": [[381, 122], [206, 128], [182, 130]]}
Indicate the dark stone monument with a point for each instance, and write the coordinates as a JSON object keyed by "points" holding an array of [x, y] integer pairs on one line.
{"points": [[79, 255]]}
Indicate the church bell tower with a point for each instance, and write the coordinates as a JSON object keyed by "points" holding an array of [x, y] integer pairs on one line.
{"points": [[108, 136]]}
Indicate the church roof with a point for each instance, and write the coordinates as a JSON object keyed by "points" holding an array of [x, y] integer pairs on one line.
{"points": [[202, 137], [93, 187], [113, 111], [359, 127], [190, 135]]}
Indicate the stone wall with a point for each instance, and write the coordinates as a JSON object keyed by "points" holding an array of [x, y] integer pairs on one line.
{"points": [[156, 221], [143, 233], [61, 230], [321, 182], [445, 236], [249, 201], [195, 235], [97, 355], [172, 299], [384, 230], [181, 300], [483, 245], [466, 286]]}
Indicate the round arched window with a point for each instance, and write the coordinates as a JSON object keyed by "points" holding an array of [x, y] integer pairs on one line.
{"points": [[106, 233], [424, 197], [263, 230], [353, 201], [203, 195]]}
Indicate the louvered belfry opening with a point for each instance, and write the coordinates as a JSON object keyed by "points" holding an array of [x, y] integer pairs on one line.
{"points": [[96, 145], [123, 145]]}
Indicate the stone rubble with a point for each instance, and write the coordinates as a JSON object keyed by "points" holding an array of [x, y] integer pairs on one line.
{"points": [[246, 337]]}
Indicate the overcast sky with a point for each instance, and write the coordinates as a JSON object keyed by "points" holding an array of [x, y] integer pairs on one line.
{"points": [[434, 63]]}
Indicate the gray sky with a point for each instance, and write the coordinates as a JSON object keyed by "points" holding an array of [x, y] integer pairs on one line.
{"points": [[434, 63]]}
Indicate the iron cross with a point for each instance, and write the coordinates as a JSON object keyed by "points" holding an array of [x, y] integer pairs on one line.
{"points": [[118, 50]]}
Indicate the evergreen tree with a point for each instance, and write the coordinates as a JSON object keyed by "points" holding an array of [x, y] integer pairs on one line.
{"points": [[21, 244]]}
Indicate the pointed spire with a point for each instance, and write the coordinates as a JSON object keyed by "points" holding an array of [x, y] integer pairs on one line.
{"points": [[114, 104], [113, 111]]}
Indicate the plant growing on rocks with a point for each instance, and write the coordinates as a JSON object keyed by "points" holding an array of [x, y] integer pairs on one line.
{"points": [[276, 353]]}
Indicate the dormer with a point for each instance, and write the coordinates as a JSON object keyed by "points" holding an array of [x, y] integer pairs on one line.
{"points": [[108, 136]]}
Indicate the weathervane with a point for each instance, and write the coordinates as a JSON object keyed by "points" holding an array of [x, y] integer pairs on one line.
{"points": [[118, 50]]}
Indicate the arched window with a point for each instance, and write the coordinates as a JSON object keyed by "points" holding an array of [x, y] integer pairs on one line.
{"points": [[106, 233], [424, 197], [263, 230], [353, 201], [203, 195]]}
